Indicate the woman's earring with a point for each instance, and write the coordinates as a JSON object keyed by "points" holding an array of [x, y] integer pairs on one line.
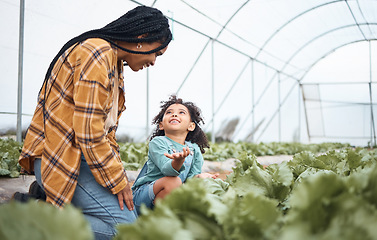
{"points": [[138, 46]]}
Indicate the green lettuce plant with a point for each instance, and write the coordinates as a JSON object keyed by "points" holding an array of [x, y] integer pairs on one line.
{"points": [[42, 221]]}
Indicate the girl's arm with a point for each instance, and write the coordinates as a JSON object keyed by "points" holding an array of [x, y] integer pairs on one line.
{"points": [[157, 150], [178, 158]]}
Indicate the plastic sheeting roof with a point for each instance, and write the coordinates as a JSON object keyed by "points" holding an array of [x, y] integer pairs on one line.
{"points": [[262, 70], [289, 36]]}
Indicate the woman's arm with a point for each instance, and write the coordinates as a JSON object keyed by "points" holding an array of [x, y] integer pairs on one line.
{"points": [[92, 93]]}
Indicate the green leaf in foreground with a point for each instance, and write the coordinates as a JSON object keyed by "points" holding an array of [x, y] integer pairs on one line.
{"points": [[198, 209], [282, 179], [249, 176], [42, 221], [364, 184], [161, 223], [189, 212], [323, 208], [252, 216]]}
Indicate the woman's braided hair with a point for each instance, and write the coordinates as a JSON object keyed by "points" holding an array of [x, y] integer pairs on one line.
{"points": [[142, 20], [197, 136]]}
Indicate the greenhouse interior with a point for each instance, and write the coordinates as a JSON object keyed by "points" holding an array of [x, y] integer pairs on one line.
{"points": [[261, 71], [288, 93]]}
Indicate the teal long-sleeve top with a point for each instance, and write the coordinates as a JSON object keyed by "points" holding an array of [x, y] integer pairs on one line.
{"points": [[160, 166]]}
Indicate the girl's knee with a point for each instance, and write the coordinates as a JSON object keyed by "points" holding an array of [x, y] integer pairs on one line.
{"points": [[165, 185], [173, 182]]}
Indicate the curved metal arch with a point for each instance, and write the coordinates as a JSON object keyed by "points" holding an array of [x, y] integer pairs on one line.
{"points": [[354, 18], [319, 36], [231, 17], [330, 52], [291, 20]]}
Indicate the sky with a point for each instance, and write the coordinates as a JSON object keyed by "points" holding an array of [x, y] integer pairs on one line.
{"points": [[224, 90]]}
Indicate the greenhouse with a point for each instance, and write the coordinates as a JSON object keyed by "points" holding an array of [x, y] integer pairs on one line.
{"points": [[287, 90], [261, 71]]}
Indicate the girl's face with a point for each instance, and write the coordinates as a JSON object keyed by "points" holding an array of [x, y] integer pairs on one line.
{"points": [[177, 119], [139, 61]]}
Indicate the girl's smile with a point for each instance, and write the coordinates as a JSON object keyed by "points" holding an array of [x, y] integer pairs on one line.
{"points": [[174, 121]]}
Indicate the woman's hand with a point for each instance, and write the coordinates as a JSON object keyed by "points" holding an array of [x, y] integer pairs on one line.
{"points": [[125, 196]]}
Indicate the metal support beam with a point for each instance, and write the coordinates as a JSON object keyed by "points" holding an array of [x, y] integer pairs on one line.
{"points": [[299, 113], [147, 117], [20, 71], [252, 100], [373, 129], [277, 110], [279, 104], [229, 91], [213, 138]]}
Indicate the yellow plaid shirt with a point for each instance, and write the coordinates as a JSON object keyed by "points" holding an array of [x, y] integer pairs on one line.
{"points": [[76, 108]]}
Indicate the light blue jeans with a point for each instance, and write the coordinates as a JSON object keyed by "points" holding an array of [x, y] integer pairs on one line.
{"points": [[99, 206], [144, 194]]}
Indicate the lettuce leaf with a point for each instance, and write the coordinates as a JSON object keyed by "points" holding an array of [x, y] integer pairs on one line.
{"points": [[252, 216], [42, 221], [364, 183], [282, 179], [161, 223], [188, 212]]}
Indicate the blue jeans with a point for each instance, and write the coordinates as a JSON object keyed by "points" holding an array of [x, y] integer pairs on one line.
{"points": [[99, 206], [144, 195]]}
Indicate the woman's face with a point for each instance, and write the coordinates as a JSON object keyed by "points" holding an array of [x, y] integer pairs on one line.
{"points": [[139, 61]]}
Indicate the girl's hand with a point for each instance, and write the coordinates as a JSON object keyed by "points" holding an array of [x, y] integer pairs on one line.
{"points": [[208, 175], [179, 156]]}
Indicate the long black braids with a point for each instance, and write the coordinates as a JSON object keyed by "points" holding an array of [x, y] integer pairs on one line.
{"points": [[197, 136], [142, 20], [138, 21]]}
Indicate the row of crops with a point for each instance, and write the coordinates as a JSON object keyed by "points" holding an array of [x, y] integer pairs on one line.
{"points": [[332, 195], [135, 154]]}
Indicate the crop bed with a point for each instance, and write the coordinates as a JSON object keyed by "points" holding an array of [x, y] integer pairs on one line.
{"points": [[321, 193]]}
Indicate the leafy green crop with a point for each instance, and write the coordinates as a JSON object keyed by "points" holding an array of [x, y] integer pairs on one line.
{"points": [[331, 196], [9, 153], [325, 207], [322, 193], [134, 155], [42, 221], [225, 150]]}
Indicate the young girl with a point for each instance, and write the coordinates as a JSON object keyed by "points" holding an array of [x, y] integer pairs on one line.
{"points": [[175, 152]]}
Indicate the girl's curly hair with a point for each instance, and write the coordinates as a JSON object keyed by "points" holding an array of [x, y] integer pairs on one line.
{"points": [[197, 136]]}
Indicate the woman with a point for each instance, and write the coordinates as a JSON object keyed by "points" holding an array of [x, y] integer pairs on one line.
{"points": [[71, 144]]}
